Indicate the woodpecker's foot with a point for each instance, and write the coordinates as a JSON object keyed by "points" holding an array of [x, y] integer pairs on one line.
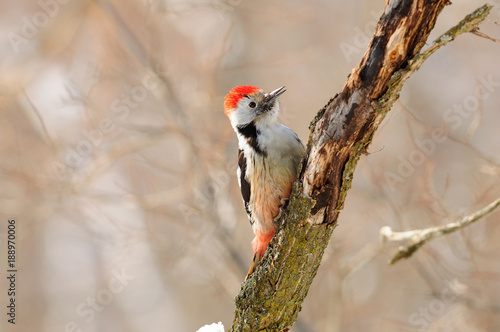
{"points": [[281, 210], [277, 218]]}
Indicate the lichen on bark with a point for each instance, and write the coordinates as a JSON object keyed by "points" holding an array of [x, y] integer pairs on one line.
{"points": [[271, 298]]}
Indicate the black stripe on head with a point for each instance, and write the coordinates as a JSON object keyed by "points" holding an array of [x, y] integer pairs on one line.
{"points": [[249, 131], [244, 184]]}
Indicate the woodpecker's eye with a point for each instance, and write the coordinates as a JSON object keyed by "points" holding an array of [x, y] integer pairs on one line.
{"points": [[252, 104]]}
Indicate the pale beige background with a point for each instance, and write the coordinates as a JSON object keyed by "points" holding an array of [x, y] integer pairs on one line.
{"points": [[119, 165]]}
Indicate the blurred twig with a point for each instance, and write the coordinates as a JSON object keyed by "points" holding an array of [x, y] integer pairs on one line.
{"points": [[40, 119], [483, 35], [419, 237]]}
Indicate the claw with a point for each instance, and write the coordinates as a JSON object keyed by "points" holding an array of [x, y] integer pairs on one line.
{"points": [[280, 212]]}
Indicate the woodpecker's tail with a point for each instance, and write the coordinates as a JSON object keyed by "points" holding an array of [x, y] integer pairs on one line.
{"points": [[259, 246], [256, 259]]}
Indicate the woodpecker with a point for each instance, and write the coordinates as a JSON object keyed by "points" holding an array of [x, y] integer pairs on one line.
{"points": [[268, 156]]}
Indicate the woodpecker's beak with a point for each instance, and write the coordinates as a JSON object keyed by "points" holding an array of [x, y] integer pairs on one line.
{"points": [[272, 96]]}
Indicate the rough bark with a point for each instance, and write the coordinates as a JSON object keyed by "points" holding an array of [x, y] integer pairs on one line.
{"points": [[271, 298]]}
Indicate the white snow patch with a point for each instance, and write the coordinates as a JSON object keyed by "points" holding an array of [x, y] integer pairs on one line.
{"points": [[212, 328]]}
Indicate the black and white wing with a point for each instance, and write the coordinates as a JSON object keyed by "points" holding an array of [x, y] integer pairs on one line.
{"points": [[244, 184]]}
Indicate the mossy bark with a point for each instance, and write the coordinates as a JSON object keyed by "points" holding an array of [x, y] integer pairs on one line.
{"points": [[271, 298]]}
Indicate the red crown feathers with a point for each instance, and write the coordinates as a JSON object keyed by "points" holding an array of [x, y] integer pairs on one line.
{"points": [[234, 96]]}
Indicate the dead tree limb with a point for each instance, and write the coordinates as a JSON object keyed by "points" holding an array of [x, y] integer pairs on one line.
{"points": [[271, 298], [418, 237]]}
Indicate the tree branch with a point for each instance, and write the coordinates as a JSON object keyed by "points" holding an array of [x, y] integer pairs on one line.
{"points": [[419, 237], [271, 298]]}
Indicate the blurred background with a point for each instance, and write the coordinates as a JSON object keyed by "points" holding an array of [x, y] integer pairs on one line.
{"points": [[119, 165]]}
